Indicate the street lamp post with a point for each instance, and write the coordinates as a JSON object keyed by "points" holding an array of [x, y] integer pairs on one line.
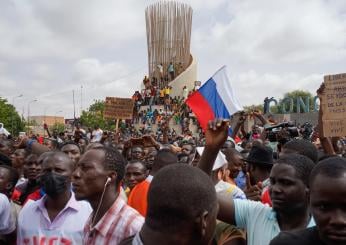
{"points": [[32, 101], [44, 120], [12, 119]]}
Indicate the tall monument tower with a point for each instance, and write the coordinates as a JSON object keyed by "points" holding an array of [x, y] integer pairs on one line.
{"points": [[168, 25]]}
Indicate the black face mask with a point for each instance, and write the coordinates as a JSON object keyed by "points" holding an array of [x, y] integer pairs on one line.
{"points": [[53, 184]]}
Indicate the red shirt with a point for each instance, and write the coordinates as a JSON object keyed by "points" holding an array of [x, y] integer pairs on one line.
{"points": [[32, 196], [265, 198], [139, 195]]}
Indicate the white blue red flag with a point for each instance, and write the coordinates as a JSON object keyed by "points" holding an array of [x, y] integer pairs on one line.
{"points": [[215, 99]]}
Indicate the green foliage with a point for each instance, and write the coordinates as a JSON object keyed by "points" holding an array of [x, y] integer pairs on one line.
{"points": [[294, 95], [94, 116], [58, 127], [273, 108], [10, 118], [251, 108]]}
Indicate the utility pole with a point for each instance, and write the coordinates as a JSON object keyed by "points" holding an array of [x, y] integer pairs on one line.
{"points": [[28, 123], [81, 100], [74, 106]]}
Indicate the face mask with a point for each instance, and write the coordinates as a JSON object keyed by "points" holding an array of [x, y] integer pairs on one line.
{"points": [[53, 184]]}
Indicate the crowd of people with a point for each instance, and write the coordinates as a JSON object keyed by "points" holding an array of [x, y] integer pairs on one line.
{"points": [[167, 106], [156, 91], [274, 184]]}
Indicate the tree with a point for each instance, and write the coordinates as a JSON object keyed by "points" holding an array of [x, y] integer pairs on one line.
{"points": [[305, 95], [251, 108], [10, 118], [94, 116], [57, 127]]}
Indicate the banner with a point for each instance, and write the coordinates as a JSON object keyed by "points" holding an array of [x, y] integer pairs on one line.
{"points": [[334, 105], [118, 108]]}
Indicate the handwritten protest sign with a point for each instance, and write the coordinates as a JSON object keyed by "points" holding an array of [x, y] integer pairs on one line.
{"points": [[334, 105], [118, 108]]}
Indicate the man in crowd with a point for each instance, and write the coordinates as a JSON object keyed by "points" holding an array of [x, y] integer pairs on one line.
{"points": [[301, 146], [8, 179], [57, 217], [328, 207], [6, 147], [289, 190], [235, 162], [51, 143], [18, 159], [7, 223], [137, 153], [135, 173], [72, 150], [138, 196], [96, 134], [259, 164], [97, 179], [188, 152], [170, 70], [29, 189], [83, 142], [183, 212]]}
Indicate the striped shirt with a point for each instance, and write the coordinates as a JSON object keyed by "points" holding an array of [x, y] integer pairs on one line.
{"points": [[118, 223]]}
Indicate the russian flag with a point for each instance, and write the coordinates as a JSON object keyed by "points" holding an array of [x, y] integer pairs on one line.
{"points": [[215, 99]]}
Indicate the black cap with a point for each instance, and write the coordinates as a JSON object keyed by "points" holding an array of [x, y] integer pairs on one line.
{"points": [[260, 155]]}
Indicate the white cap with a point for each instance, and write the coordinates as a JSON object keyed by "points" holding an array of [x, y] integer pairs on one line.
{"points": [[219, 161], [237, 147]]}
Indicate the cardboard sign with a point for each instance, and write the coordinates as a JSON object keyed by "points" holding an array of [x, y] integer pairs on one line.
{"points": [[118, 108], [334, 105]]}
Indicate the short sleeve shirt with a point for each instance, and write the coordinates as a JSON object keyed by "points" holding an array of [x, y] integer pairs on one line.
{"points": [[119, 222], [259, 220], [7, 221], [35, 226]]}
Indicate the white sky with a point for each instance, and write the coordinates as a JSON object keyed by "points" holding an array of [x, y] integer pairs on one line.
{"points": [[49, 48]]}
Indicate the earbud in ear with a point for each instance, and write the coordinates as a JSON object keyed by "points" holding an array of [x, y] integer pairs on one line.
{"points": [[108, 180]]}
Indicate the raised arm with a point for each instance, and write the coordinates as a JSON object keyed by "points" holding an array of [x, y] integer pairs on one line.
{"points": [[32, 145], [45, 127], [260, 117], [215, 136], [239, 124]]}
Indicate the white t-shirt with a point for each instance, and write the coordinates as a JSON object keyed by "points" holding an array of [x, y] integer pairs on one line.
{"points": [[97, 135], [35, 226], [226, 188], [4, 131], [7, 221]]}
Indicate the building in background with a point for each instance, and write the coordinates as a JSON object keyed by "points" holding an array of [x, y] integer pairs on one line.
{"points": [[36, 123]]}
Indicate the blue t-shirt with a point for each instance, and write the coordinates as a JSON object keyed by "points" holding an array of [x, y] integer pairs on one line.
{"points": [[259, 220], [240, 180]]}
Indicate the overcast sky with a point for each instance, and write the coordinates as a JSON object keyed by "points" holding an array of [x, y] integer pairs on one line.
{"points": [[49, 48]]}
